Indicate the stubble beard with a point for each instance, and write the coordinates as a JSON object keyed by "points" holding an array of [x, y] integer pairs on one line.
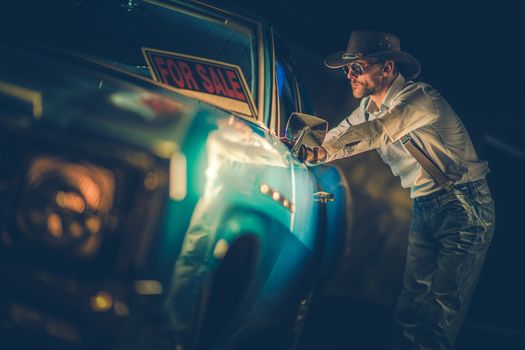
{"points": [[359, 90]]}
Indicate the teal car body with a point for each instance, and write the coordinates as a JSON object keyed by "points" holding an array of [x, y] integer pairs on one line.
{"points": [[139, 214]]}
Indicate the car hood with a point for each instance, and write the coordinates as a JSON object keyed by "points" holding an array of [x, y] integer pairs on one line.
{"points": [[41, 88]]}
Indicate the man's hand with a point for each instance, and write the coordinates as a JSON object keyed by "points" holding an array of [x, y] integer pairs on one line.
{"points": [[311, 154], [287, 142]]}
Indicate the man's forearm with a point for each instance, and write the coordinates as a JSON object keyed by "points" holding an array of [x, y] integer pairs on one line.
{"points": [[376, 133]]}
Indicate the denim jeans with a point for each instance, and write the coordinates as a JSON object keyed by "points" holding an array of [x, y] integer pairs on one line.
{"points": [[449, 236]]}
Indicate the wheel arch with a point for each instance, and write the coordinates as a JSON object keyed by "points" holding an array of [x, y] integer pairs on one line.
{"points": [[240, 259]]}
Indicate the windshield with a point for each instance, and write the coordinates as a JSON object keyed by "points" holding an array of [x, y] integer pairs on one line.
{"points": [[116, 31]]}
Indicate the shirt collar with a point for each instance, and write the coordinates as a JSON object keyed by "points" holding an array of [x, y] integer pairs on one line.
{"points": [[396, 86]]}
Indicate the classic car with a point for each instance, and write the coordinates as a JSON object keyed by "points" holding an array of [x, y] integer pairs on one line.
{"points": [[146, 197]]}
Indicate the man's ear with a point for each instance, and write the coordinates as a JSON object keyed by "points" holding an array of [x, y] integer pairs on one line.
{"points": [[388, 67]]}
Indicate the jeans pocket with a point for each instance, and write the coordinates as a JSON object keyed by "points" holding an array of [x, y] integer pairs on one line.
{"points": [[469, 226], [478, 234], [473, 240], [482, 195], [485, 217], [483, 200], [454, 205]]}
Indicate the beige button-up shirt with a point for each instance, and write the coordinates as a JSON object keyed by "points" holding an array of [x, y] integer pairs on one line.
{"points": [[420, 110]]}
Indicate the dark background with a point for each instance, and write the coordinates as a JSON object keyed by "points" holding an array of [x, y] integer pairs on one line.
{"points": [[472, 53]]}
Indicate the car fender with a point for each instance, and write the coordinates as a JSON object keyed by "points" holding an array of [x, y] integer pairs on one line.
{"points": [[220, 271]]}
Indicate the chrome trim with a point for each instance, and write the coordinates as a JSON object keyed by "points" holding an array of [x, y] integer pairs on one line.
{"points": [[30, 96], [275, 125], [261, 93]]}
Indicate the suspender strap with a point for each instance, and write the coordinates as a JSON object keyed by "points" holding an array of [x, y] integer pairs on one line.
{"points": [[424, 160]]}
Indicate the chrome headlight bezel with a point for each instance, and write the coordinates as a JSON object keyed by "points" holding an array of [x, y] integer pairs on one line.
{"points": [[65, 205]]}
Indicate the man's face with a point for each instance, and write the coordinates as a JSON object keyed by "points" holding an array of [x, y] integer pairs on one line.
{"points": [[369, 82]]}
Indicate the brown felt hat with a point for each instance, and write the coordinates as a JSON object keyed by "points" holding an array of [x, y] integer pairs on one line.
{"points": [[377, 46]]}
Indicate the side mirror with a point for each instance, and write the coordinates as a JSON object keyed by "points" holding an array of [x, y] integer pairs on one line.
{"points": [[305, 129]]}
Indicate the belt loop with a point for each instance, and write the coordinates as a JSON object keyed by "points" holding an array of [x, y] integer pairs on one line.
{"points": [[448, 186]]}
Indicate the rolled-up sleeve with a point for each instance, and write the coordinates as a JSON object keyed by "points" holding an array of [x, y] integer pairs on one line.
{"points": [[356, 117], [403, 117]]}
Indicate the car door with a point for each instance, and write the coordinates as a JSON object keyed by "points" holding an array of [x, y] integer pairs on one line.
{"points": [[304, 224], [322, 226]]}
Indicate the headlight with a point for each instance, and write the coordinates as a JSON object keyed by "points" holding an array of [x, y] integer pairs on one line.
{"points": [[65, 205]]}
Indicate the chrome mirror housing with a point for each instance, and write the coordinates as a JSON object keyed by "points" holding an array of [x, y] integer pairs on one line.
{"points": [[305, 129]]}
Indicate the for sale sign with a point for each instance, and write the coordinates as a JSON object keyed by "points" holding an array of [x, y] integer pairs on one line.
{"points": [[214, 82]]}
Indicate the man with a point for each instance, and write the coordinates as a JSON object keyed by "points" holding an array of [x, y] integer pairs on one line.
{"points": [[420, 137]]}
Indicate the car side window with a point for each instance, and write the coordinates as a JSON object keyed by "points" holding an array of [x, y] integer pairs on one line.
{"points": [[286, 94]]}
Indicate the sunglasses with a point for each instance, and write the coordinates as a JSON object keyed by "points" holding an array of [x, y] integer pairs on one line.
{"points": [[357, 69]]}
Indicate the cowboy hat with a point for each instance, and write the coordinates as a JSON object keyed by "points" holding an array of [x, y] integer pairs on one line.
{"points": [[375, 46]]}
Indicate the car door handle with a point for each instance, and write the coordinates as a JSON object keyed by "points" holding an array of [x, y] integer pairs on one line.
{"points": [[323, 197]]}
